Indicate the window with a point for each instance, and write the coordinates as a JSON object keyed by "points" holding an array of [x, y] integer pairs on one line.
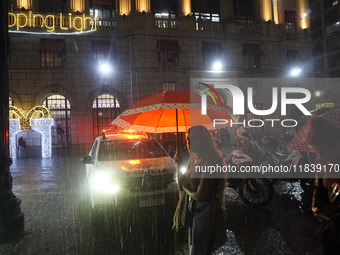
{"points": [[55, 6], [333, 43], [169, 86], [333, 29], [163, 6], [105, 109], [102, 50], [212, 52], [129, 149], [293, 58], [331, 16], [102, 9], [251, 56], [168, 52], [165, 13], [333, 60], [60, 110], [52, 53], [291, 19], [244, 10], [165, 20], [330, 3], [206, 10]]}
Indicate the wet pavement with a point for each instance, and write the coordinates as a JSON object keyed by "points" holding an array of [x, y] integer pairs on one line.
{"points": [[55, 201]]}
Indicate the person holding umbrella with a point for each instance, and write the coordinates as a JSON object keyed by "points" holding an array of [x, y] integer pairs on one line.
{"points": [[206, 194], [323, 138]]}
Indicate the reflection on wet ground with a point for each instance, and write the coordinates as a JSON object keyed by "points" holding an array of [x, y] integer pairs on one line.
{"points": [[55, 201]]}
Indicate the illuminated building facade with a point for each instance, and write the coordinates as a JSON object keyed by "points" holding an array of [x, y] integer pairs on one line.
{"points": [[60, 50]]}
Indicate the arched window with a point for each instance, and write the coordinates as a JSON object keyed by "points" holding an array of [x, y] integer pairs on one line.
{"points": [[60, 110], [105, 109]]}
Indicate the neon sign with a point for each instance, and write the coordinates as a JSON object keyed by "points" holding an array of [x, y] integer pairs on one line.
{"points": [[51, 21]]}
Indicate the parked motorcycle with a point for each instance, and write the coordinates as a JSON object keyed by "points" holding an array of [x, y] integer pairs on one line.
{"points": [[277, 152], [252, 191]]}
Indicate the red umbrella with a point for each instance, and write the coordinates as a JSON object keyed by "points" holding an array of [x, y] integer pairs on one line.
{"points": [[299, 143], [172, 112]]}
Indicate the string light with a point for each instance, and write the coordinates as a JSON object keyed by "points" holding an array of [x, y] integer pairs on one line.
{"points": [[25, 119], [43, 126], [51, 21], [14, 128], [49, 33]]}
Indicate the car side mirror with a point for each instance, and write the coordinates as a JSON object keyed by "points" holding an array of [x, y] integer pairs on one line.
{"points": [[87, 160]]}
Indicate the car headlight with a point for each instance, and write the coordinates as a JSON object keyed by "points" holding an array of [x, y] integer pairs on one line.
{"points": [[102, 181], [183, 169]]}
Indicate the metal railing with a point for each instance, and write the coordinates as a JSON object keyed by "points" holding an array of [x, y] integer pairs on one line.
{"points": [[165, 23], [249, 28], [291, 36], [208, 25]]}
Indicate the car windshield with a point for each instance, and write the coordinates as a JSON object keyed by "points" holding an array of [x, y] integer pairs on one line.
{"points": [[131, 149]]}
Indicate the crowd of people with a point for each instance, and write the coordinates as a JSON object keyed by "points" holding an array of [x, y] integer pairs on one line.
{"points": [[206, 195]]}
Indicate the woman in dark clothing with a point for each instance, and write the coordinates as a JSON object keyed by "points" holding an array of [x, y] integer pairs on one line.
{"points": [[206, 192], [324, 140]]}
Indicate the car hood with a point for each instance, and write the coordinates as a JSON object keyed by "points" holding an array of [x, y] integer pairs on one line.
{"points": [[153, 166]]}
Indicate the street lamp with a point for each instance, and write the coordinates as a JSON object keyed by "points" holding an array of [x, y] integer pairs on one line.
{"points": [[104, 68], [295, 72], [217, 66]]}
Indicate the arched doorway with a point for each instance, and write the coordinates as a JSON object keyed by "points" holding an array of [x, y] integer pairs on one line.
{"points": [[33, 143], [60, 110]]}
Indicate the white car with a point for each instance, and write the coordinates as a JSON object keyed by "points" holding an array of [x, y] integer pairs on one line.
{"points": [[129, 170]]}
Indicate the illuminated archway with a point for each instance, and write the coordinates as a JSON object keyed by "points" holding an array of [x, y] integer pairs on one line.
{"points": [[26, 122]]}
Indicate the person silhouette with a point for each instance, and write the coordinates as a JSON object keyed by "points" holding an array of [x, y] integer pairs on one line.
{"points": [[21, 147]]}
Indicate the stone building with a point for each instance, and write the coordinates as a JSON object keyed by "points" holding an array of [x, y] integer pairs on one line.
{"points": [[325, 34], [88, 60]]}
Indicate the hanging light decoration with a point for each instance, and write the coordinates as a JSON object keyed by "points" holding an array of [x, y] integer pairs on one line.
{"points": [[25, 119]]}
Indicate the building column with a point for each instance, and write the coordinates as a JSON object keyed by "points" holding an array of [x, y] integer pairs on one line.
{"points": [[143, 6], [280, 12], [27, 4], [265, 10], [302, 12], [124, 7], [77, 5], [275, 8], [257, 10], [11, 217], [227, 10], [184, 7]]}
